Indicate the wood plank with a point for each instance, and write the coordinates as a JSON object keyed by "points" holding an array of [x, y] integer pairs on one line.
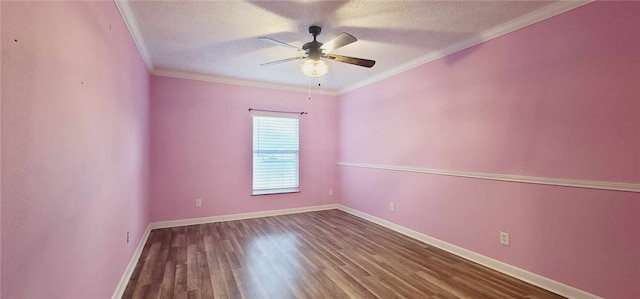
{"points": [[168, 280]]}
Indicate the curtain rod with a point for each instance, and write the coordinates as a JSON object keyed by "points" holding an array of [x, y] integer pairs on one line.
{"points": [[278, 111]]}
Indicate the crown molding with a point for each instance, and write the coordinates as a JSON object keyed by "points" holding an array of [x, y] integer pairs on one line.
{"points": [[531, 18], [611, 186], [130, 20], [247, 83], [528, 19]]}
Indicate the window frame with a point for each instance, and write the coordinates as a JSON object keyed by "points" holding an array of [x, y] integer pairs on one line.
{"points": [[284, 190]]}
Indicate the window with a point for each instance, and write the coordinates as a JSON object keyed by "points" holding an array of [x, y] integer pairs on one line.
{"points": [[275, 153]]}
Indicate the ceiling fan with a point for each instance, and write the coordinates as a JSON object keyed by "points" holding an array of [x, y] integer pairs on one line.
{"points": [[313, 66]]}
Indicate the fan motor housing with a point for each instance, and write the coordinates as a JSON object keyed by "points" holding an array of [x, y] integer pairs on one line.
{"points": [[313, 48]]}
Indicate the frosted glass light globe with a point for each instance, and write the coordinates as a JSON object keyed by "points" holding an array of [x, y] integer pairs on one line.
{"points": [[314, 68]]}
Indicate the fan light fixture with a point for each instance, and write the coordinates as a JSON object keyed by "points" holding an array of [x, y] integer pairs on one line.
{"points": [[314, 51], [314, 68]]}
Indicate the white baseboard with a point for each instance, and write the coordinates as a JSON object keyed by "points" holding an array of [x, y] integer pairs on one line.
{"points": [[192, 221], [532, 278], [524, 275], [122, 285], [165, 224]]}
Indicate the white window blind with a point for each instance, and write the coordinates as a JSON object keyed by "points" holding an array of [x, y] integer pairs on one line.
{"points": [[275, 153]]}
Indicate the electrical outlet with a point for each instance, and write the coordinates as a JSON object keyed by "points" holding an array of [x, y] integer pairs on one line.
{"points": [[198, 202], [392, 206], [504, 238], [330, 192], [127, 237]]}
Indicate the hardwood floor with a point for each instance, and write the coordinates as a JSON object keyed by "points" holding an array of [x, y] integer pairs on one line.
{"points": [[326, 254]]}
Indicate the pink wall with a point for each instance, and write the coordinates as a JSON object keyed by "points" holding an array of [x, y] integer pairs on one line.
{"points": [[201, 148], [74, 149], [558, 99], [0, 159]]}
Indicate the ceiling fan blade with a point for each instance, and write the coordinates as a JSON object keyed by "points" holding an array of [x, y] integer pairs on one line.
{"points": [[281, 61], [277, 42], [339, 41], [352, 60]]}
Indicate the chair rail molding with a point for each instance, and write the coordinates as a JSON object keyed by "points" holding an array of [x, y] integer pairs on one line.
{"points": [[612, 186]]}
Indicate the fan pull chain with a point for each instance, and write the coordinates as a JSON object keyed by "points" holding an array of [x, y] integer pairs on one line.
{"points": [[309, 88]]}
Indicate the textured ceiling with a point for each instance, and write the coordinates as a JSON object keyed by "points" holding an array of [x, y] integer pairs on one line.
{"points": [[219, 38]]}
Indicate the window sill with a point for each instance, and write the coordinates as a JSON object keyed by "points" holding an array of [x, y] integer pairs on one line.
{"points": [[276, 191]]}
